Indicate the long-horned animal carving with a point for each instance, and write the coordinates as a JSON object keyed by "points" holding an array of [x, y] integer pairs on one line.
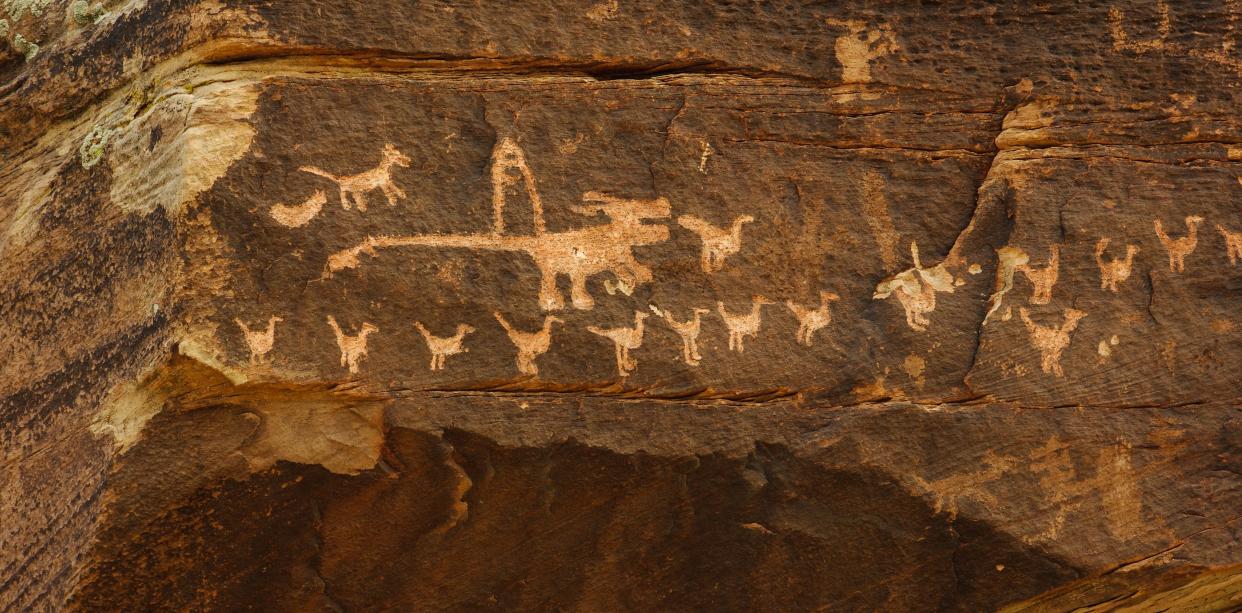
{"points": [[353, 348], [718, 243], [259, 341], [1051, 342], [355, 187], [443, 346], [1043, 279], [688, 331], [1179, 248], [742, 326], [530, 345], [624, 340], [578, 254], [1115, 270], [811, 320], [1233, 244], [298, 215], [916, 289]]}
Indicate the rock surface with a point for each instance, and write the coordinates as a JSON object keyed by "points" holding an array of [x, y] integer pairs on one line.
{"points": [[620, 305]]}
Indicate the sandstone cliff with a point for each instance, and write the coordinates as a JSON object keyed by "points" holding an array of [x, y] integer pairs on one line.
{"points": [[620, 305]]}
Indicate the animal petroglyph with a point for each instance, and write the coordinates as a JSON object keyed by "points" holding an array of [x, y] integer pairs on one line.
{"points": [[718, 243], [1008, 259], [530, 345], [1233, 244], [355, 187], [1113, 271], [1043, 279], [259, 341], [578, 254], [916, 289], [624, 340], [353, 348], [1179, 248], [859, 46], [812, 320], [688, 331], [742, 326], [442, 347], [1051, 342], [298, 215]]}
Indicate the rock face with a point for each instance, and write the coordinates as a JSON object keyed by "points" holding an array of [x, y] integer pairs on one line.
{"points": [[620, 305]]}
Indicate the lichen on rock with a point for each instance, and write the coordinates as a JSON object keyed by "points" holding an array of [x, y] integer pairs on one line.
{"points": [[94, 145]]}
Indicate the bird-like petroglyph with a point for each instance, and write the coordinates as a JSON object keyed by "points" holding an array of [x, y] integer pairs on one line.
{"points": [[259, 341], [298, 215], [578, 254], [1043, 279], [355, 187], [1116, 270], [718, 243], [442, 347], [1051, 342], [353, 348], [530, 345], [688, 331], [1179, 248], [742, 326], [1233, 244], [811, 320], [916, 289], [624, 340]]}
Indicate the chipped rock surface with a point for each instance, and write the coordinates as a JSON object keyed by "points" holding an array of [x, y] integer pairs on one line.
{"points": [[620, 305]]}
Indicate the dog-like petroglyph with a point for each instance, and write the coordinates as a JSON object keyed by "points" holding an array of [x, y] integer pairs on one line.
{"points": [[718, 243], [1052, 342], [353, 348], [1233, 244], [578, 254], [688, 331], [1116, 270], [744, 325], [1181, 247], [1043, 279], [530, 345], [355, 187], [259, 341], [916, 289], [624, 340], [442, 347], [811, 320]]}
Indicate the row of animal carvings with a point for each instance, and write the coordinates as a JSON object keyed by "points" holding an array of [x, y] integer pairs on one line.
{"points": [[532, 344]]}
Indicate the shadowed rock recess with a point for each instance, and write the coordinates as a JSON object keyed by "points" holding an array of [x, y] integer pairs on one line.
{"points": [[614, 305]]}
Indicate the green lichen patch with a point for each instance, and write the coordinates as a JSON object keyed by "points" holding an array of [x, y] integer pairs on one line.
{"points": [[25, 47], [93, 146], [4, 28], [18, 8], [85, 13]]}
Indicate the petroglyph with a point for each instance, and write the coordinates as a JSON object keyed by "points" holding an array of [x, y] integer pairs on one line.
{"points": [[259, 341], [688, 331], [742, 326], [718, 243], [624, 340], [1008, 259], [298, 215], [916, 289], [859, 46], [355, 187], [1043, 279], [578, 254], [1122, 40], [707, 153], [812, 320], [530, 345], [507, 159], [875, 208], [1179, 248], [443, 346], [353, 348], [1114, 271], [1052, 342], [1233, 244]]}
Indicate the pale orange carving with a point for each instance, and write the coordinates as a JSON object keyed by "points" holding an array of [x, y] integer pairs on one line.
{"points": [[916, 289], [1179, 248], [259, 341], [742, 326], [353, 348], [355, 187], [1051, 342], [1233, 244], [1043, 279], [443, 346], [688, 331], [530, 345], [296, 216], [624, 340], [718, 243], [1116, 270], [812, 320]]}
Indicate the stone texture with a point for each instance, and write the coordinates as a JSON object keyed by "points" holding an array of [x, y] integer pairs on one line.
{"points": [[269, 269]]}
